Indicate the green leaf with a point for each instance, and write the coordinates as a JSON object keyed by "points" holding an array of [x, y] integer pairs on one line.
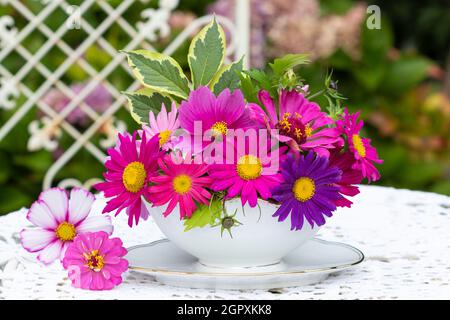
{"points": [[206, 53], [204, 215], [145, 100], [227, 77], [159, 72], [289, 61], [261, 77], [247, 87]]}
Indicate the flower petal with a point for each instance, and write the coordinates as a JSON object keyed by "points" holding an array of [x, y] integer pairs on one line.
{"points": [[57, 201], [80, 204], [36, 239], [96, 223], [41, 216], [51, 252]]}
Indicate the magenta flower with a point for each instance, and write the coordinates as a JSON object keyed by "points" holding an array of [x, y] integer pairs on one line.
{"points": [[350, 177], [164, 125], [249, 172], [365, 155], [300, 122], [95, 262], [215, 114], [130, 166], [184, 184], [309, 190], [59, 220]]}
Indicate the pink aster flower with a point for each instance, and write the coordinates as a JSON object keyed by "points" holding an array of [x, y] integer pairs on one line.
{"points": [[365, 154], [129, 169], [251, 172], [95, 262], [59, 220], [164, 125], [300, 122], [215, 114], [181, 183]]}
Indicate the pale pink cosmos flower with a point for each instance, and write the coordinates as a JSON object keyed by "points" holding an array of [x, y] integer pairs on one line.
{"points": [[59, 220], [95, 262], [165, 124]]}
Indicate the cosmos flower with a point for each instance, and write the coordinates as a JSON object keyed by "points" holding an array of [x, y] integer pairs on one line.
{"points": [[59, 220], [181, 183], [300, 122], [129, 169], [215, 114], [95, 262], [309, 190], [163, 125], [365, 154], [250, 172]]}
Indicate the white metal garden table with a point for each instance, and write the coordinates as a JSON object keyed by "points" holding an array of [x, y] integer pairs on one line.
{"points": [[405, 236]]}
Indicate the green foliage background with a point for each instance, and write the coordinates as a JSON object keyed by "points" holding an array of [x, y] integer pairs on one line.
{"points": [[393, 85]]}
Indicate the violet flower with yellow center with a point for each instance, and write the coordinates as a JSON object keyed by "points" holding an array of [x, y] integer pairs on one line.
{"points": [[182, 183], [59, 219], [129, 171], [309, 190]]}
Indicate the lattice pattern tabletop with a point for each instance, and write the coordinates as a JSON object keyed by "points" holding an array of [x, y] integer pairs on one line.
{"points": [[404, 235]]}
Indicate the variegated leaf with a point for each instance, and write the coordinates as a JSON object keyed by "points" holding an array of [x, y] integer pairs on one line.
{"points": [[145, 100], [227, 77], [206, 53], [159, 72]]}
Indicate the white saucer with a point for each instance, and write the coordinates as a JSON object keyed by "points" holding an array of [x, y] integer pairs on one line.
{"points": [[308, 264]]}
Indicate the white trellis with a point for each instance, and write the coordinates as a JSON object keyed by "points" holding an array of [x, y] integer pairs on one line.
{"points": [[153, 26]]}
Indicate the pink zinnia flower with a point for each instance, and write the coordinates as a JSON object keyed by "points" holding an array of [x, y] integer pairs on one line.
{"points": [[216, 114], [59, 220], [181, 184], [250, 172], [129, 171], [364, 153], [163, 125], [300, 122], [95, 262], [349, 178]]}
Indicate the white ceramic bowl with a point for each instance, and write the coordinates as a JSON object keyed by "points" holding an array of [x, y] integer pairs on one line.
{"points": [[260, 241]]}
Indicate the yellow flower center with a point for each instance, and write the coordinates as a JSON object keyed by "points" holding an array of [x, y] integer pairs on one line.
{"points": [[359, 146], [66, 231], [304, 189], [308, 130], [94, 260], [249, 167], [134, 176], [219, 128], [182, 184], [164, 136]]}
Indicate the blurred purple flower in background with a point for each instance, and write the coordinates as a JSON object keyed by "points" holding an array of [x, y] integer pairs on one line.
{"points": [[98, 99]]}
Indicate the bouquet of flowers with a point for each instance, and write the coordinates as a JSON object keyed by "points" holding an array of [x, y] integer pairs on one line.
{"points": [[225, 133]]}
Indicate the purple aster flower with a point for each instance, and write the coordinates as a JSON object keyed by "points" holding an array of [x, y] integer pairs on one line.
{"points": [[309, 190]]}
